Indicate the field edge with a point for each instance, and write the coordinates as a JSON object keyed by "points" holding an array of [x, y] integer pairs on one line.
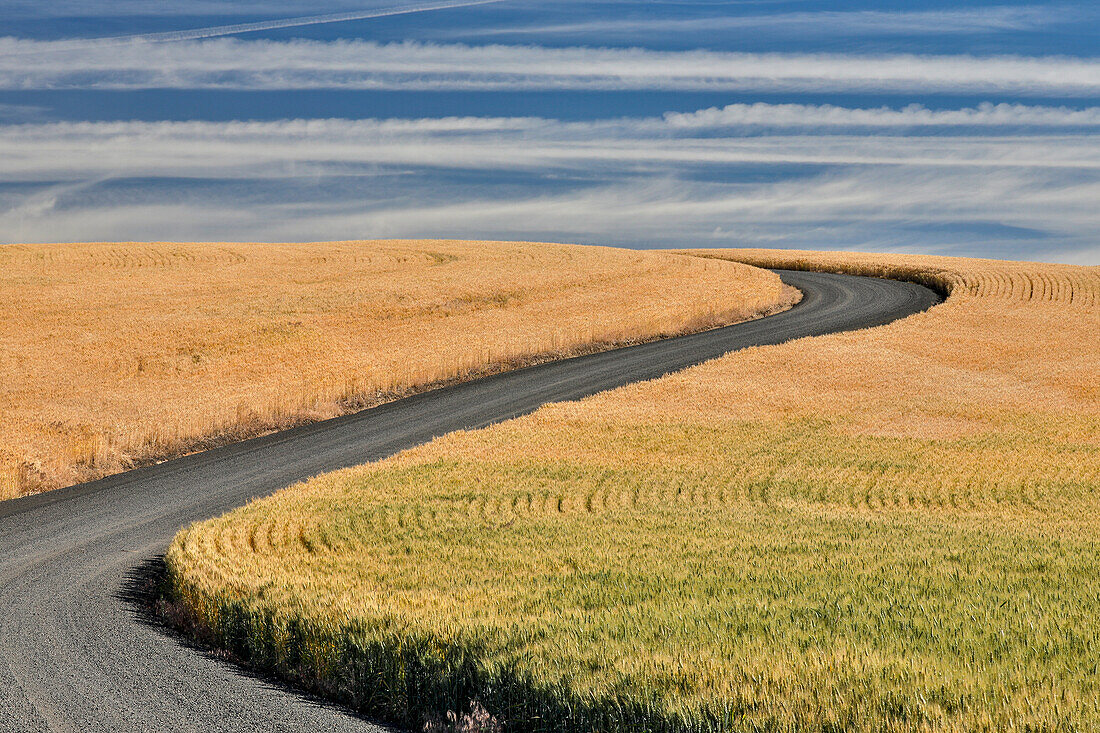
{"points": [[255, 426], [333, 666]]}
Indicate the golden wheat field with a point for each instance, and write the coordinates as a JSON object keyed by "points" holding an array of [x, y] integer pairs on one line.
{"points": [[895, 529], [114, 354]]}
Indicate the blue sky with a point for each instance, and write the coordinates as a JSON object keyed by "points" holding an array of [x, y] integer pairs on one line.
{"points": [[957, 128]]}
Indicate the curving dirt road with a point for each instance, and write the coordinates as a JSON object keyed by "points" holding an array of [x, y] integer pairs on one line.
{"points": [[77, 655]]}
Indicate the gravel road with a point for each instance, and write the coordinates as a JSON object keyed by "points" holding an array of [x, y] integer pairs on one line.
{"points": [[77, 655]]}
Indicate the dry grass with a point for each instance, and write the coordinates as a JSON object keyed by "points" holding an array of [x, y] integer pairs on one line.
{"points": [[895, 529], [114, 354]]}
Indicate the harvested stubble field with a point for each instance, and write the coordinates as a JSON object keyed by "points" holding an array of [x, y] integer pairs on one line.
{"points": [[895, 529], [117, 354]]}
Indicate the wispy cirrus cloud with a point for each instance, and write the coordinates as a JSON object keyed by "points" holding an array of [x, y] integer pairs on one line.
{"points": [[870, 209], [814, 135], [159, 8], [298, 21], [986, 114], [820, 23], [630, 181], [223, 63]]}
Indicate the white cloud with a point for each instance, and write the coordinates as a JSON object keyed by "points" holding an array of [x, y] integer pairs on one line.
{"points": [[122, 8], [278, 149], [827, 22], [233, 64], [296, 21], [827, 115], [880, 209], [1013, 192]]}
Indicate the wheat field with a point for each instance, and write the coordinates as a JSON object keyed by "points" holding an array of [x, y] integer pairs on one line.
{"points": [[894, 529], [116, 354]]}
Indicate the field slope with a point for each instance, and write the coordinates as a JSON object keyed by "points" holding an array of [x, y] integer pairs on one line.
{"points": [[116, 354], [891, 529]]}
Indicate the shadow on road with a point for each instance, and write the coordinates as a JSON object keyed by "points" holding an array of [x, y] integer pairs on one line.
{"points": [[142, 592]]}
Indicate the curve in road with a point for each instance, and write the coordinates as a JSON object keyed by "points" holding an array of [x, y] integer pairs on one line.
{"points": [[75, 656]]}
